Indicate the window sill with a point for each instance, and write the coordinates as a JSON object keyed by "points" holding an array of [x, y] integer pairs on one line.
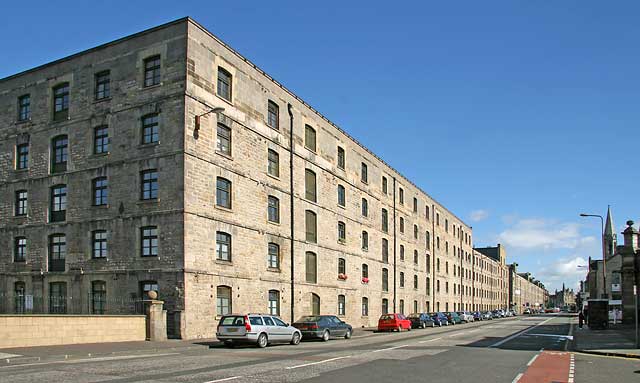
{"points": [[311, 150], [274, 270], [154, 86], [101, 100], [152, 201], [22, 122], [230, 102], [343, 207], [148, 145], [21, 171], [101, 207], [222, 208], [223, 262], [99, 155], [149, 257], [274, 177], [225, 155], [273, 223], [365, 249], [342, 242], [105, 259]]}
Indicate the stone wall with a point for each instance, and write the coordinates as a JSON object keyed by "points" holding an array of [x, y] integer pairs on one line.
{"points": [[49, 330]]}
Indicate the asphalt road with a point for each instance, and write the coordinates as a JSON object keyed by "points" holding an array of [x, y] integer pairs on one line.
{"points": [[522, 349]]}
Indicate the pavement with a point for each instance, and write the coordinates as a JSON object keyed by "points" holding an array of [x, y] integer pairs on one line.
{"points": [[510, 350], [617, 340]]}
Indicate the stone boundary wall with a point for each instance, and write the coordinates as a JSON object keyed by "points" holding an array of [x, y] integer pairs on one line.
{"points": [[48, 330]]}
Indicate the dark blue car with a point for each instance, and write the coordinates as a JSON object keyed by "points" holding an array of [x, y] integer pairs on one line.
{"points": [[420, 320], [439, 319], [477, 316]]}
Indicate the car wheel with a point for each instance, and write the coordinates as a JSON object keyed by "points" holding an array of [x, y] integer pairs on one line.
{"points": [[228, 343], [295, 339], [423, 325], [409, 328], [433, 324], [262, 340], [347, 335], [325, 335]]}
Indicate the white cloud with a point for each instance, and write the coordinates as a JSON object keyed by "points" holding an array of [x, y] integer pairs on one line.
{"points": [[544, 235], [478, 215], [565, 270]]}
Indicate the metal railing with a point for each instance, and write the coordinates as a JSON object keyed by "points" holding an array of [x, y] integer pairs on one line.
{"points": [[89, 304]]}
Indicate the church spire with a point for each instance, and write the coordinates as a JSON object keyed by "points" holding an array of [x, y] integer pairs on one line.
{"points": [[609, 238], [608, 227]]}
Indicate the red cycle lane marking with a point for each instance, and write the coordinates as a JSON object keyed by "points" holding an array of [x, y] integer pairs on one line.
{"points": [[549, 367]]}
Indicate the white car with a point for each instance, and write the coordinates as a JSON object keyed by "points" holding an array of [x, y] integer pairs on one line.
{"points": [[260, 329], [465, 316]]}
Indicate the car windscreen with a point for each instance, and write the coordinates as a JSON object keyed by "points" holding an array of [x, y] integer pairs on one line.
{"points": [[232, 321], [386, 317]]}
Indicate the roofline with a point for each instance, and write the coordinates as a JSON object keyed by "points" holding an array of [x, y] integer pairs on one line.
{"points": [[205, 30], [97, 48]]}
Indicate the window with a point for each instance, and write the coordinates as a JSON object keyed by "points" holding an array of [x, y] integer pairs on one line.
{"points": [[22, 156], [20, 300], [365, 306], [310, 138], [342, 266], [274, 302], [57, 252], [61, 102], [384, 185], [365, 271], [341, 158], [311, 226], [438, 219], [101, 140], [415, 282], [57, 298], [428, 239], [274, 256], [415, 306], [415, 231], [428, 263], [311, 267], [223, 140], [273, 163], [99, 240], [385, 220], [438, 285], [58, 203], [223, 192], [341, 196], [402, 306], [149, 183], [20, 249], [415, 207], [223, 300], [401, 196], [315, 304], [385, 250], [98, 297], [310, 185], [152, 71], [402, 252], [103, 85], [273, 115], [342, 231], [426, 212], [438, 243], [341, 305], [364, 177], [59, 149], [365, 240], [224, 84], [21, 202], [100, 191], [24, 107], [446, 225], [273, 210], [415, 257], [365, 208], [385, 306], [385, 279], [223, 246], [401, 279], [149, 241], [150, 129], [401, 225], [428, 283], [437, 265]]}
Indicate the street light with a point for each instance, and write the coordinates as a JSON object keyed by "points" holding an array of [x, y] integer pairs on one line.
{"points": [[197, 126], [604, 261]]}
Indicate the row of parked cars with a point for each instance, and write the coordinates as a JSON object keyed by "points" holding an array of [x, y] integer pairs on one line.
{"points": [[265, 329]]}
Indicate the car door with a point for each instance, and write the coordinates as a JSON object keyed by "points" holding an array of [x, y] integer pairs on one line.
{"points": [[272, 329], [285, 332], [340, 328]]}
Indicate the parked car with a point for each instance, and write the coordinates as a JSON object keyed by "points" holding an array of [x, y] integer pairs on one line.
{"points": [[323, 327], [527, 311], [453, 317], [487, 315], [439, 319], [477, 316], [496, 314], [507, 313], [261, 329], [421, 320], [465, 316], [391, 322]]}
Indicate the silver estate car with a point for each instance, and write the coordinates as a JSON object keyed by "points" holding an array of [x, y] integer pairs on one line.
{"points": [[260, 329]]}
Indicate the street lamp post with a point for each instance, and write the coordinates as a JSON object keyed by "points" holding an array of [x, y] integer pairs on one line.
{"points": [[604, 260], [196, 129]]}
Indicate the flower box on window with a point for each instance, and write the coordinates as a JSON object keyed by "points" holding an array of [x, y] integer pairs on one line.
{"points": [[342, 276], [365, 280]]}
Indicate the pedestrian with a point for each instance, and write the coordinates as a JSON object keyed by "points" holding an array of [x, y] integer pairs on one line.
{"points": [[580, 319]]}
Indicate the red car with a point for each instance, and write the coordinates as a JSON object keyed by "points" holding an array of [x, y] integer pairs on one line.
{"points": [[390, 322]]}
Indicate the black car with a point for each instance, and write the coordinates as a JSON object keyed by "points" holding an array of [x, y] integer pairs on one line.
{"points": [[439, 319], [421, 320], [323, 327]]}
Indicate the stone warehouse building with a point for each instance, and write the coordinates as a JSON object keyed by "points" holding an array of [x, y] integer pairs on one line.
{"points": [[167, 161]]}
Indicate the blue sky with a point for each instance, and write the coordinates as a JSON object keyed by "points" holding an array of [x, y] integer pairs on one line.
{"points": [[516, 115]]}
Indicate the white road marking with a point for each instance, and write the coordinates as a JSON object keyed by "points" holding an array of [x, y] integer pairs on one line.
{"points": [[4, 355], [320, 362], [519, 333], [533, 359], [224, 379], [430, 340], [515, 380], [91, 360], [391, 348], [569, 337]]}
